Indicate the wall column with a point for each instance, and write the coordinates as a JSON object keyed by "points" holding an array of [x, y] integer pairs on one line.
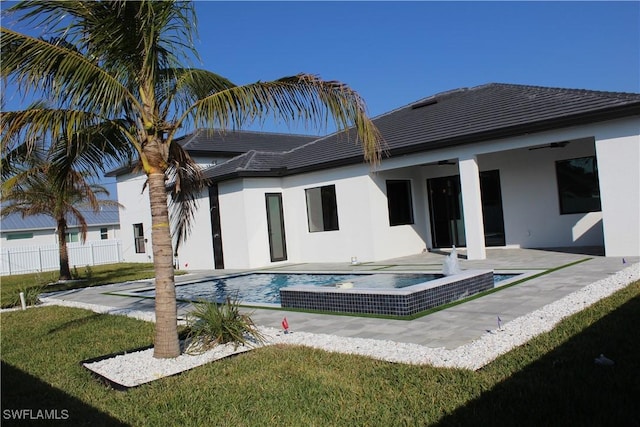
{"points": [[472, 207], [618, 158]]}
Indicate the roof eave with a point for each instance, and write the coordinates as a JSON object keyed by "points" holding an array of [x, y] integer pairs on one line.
{"points": [[522, 129]]}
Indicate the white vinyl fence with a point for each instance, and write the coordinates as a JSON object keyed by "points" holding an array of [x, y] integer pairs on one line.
{"points": [[33, 259]]}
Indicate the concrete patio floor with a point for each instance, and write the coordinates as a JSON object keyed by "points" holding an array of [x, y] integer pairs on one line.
{"points": [[448, 328]]}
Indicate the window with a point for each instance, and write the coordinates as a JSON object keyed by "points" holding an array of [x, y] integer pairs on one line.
{"points": [[399, 202], [18, 236], [578, 186], [138, 238], [104, 234], [322, 209], [72, 237]]}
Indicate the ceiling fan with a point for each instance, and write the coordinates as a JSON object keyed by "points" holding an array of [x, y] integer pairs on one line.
{"points": [[551, 145]]}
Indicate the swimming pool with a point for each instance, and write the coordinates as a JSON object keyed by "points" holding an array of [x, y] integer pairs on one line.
{"points": [[264, 288]]}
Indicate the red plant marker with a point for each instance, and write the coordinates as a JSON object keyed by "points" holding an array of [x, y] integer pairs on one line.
{"points": [[285, 325]]}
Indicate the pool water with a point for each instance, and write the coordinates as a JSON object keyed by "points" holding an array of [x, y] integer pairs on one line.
{"points": [[264, 288]]}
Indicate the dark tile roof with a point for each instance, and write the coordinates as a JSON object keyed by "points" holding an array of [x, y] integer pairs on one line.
{"points": [[15, 222], [214, 142], [461, 116]]}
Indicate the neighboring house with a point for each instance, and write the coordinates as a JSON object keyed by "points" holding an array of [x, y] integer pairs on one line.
{"points": [[31, 244], [37, 230], [497, 165]]}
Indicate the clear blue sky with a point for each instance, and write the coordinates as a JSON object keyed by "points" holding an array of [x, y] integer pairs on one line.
{"points": [[394, 53]]}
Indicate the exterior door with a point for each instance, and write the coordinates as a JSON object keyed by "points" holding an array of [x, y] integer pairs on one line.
{"points": [[445, 206], [275, 224], [216, 230], [492, 208]]}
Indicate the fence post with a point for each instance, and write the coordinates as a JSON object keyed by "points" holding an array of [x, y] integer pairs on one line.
{"points": [[40, 259], [9, 260], [91, 249]]}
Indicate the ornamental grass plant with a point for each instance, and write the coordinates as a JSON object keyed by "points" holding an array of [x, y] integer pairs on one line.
{"points": [[212, 323]]}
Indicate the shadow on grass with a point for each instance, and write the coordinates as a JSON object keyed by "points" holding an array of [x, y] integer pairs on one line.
{"points": [[565, 386], [26, 400]]}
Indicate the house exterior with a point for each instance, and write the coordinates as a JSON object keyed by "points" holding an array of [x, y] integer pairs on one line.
{"points": [[208, 148], [497, 165], [30, 244]]}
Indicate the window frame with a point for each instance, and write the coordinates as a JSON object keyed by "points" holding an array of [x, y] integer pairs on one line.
{"points": [[325, 197], [562, 187], [404, 216], [72, 237], [104, 233], [138, 238], [20, 236]]}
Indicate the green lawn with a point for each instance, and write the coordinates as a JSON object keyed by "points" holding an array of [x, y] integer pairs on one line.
{"points": [[11, 286], [552, 380]]}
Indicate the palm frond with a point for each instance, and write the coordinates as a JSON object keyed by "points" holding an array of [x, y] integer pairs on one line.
{"points": [[64, 74], [94, 148], [179, 88], [184, 185], [40, 123], [303, 97]]}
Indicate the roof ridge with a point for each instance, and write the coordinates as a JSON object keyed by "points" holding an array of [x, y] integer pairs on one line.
{"points": [[564, 89], [188, 137], [250, 154], [193, 134]]}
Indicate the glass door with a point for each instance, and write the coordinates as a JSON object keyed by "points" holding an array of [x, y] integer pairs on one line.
{"points": [[216, 229], [445, 206], [492, 208], [275, 223]]}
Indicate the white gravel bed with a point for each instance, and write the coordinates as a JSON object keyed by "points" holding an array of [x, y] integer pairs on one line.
{"points": [[137, 368], [133, 369]]}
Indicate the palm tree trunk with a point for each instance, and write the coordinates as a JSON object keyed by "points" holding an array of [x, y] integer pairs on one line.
{"points": [[63, 253], [166, 343]]}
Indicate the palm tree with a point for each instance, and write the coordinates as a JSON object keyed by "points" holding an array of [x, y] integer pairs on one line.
{"points": [[39, 185], [126, 66]]}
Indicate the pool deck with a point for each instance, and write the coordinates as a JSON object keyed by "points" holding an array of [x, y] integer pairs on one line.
{"points": [[448, 328]]}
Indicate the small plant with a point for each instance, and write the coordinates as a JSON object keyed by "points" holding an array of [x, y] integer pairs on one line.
{"points": [[74, 273], [31, 296], [88, 272], [211, 324]]}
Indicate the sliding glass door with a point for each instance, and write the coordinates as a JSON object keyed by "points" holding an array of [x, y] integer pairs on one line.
{"points": [[275, 223]]}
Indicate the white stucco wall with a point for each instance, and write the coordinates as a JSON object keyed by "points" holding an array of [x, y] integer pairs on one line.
{"points": [[618, 150], [135, 209], [355, 235], [399, 240], [364, 230], [197, 252], [243, 219], [529, 187], [529, 198]]}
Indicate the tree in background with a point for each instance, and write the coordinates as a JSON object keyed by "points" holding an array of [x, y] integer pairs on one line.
{"points": [[38, 181], [125, 66]]}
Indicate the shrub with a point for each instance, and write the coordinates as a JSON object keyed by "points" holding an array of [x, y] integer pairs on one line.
{"points": [[31, 296], [211, 324]]}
